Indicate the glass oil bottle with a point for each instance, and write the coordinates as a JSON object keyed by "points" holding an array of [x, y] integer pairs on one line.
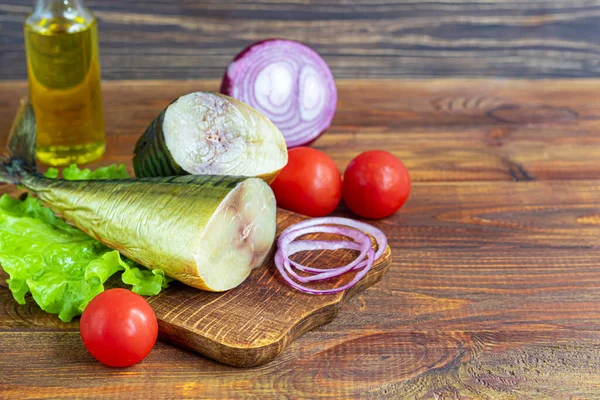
{"points": [[61, 41]]}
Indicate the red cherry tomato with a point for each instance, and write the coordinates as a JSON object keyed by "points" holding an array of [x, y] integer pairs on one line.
{"points": [[309, 184], [376, 184], [118, 328]]}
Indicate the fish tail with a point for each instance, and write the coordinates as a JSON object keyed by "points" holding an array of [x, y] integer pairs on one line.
{"points": [[21, 146]]}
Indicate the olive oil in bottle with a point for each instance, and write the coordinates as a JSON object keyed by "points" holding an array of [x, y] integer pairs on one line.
{"points": [[61, 41]]}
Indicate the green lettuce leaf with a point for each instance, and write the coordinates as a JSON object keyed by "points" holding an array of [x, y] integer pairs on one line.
{"points": [[61, 266]]}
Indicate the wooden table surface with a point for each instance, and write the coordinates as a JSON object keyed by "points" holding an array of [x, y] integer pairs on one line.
{"points": [[494, 290]]}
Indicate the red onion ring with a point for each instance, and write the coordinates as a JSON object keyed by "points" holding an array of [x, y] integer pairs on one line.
{"points": [[355, 230], [360, 226], [309, 245], [305, 245], [361, 274], [360, 237]]}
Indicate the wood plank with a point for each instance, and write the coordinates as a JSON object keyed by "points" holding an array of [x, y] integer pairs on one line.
{"points": [[494, 292], [388, 364], [158, 39], [444, 130]]}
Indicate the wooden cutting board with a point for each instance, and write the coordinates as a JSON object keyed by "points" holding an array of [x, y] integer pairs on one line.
{"points": [[253, 323]]}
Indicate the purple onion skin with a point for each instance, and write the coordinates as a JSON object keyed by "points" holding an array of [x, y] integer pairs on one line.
{"points": [[226, 82], [225, 85]]}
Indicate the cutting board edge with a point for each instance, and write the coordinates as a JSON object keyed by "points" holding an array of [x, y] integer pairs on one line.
{"points": [[252, 356]]}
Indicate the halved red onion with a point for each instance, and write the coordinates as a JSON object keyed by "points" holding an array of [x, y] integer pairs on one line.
{"points": [[289, 83], [288, 245]]}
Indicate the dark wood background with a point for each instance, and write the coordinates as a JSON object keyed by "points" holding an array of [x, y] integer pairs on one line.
{"points": [[189, 39]]}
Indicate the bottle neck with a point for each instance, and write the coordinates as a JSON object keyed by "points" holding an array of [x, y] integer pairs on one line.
{"points": [[71, 10], [58, 6]]}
